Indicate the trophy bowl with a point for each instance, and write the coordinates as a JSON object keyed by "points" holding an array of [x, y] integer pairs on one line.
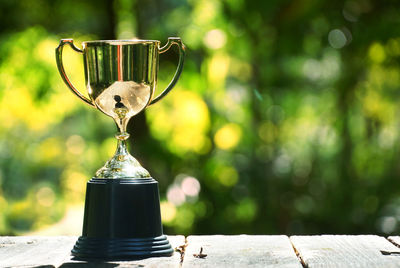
{"points": [[122, 208]]}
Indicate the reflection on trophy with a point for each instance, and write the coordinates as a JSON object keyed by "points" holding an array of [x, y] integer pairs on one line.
{"points": [[122, 210]]}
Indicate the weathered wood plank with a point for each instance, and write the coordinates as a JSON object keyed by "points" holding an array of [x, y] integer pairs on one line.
{"points": [[240, 251], [16, 251], [222, 251], [345, 251], [55, 252]]}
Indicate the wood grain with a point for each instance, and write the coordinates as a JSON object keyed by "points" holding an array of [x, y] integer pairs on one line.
{"points": [[240, 251], [34, 251], [221, 251], [345, 251]]}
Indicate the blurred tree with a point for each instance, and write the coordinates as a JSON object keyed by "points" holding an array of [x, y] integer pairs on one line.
{"points": [[284, 121]]}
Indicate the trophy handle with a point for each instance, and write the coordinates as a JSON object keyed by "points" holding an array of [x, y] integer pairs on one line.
{"points": [[64, 76], [172, 41]]}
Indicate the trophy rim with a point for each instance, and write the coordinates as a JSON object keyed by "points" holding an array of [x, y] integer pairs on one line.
{"points": [[121, 42]]}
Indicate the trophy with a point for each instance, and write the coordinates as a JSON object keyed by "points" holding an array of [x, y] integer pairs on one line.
{"points": [[122, 207]]}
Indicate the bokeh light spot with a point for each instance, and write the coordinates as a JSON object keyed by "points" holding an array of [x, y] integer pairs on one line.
{"points": [[191, 120], [45, 196], [44, 50], [393, 47], [74, 183], [337, 38], [246, 210], [175, 195], [228, 136], [218, 69], [190, 186], [351, 11], [304, 204], [388, 224], [377, 53], [168, 211], [227, 176], [215, 39], [75, 144], [50, 149], [312, 69], [282, 165]]}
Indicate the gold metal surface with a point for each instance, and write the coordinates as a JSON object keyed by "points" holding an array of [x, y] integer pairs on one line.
{"points": [[121, 77]]}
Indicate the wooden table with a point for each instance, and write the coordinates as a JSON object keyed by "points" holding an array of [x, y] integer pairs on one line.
{"points": [[220, 251]]}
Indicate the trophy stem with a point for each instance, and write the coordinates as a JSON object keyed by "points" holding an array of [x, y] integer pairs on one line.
{"points": [[122, 164], [122, 150], [122, 137], [121, 120]]}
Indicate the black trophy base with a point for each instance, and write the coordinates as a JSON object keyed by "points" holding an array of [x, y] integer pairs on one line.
{"points": [[122, 221], [121, 249]]}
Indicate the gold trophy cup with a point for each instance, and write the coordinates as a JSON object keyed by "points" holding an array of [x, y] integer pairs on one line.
{"points": [[122, 210]]}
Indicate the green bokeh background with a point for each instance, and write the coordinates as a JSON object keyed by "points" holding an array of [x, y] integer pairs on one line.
{"points": [[285, 119]]}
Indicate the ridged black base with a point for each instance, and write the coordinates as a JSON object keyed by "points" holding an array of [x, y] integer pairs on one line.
{"points": [[122, 221], [121, 249]]}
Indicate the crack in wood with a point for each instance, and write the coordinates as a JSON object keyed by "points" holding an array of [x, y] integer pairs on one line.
{"points": [[181, 249], [393, 242], [391, 253], [298, 254]]}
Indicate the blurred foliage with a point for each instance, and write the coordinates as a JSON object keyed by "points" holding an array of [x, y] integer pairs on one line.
{"points": [[285, 119]]}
